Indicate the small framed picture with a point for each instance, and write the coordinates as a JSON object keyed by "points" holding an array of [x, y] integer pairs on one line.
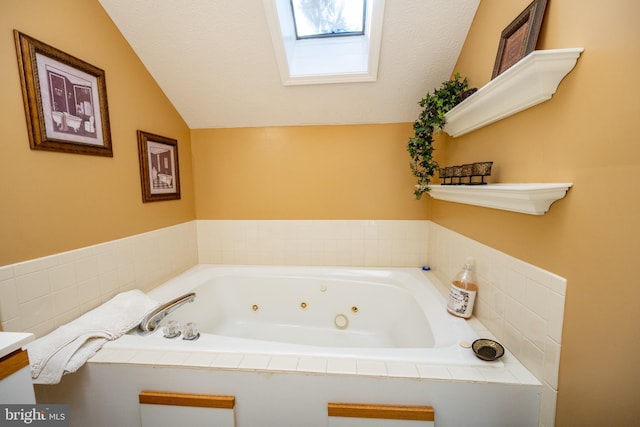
{"points": [[65, 100], [520, 37], [159, 173]]}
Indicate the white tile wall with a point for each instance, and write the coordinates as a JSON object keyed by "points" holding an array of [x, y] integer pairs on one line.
{"points": [[313, 242], [41, 294], [522, 305]]}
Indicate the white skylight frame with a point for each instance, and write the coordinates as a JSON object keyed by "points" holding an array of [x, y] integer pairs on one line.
{"points": [[329, 59]]}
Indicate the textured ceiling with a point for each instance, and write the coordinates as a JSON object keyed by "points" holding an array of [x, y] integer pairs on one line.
{"points": [[215, 61]]}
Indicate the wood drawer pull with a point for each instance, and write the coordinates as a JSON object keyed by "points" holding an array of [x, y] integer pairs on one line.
{"points": [[186, 399], [389, 412], [13, 362]]}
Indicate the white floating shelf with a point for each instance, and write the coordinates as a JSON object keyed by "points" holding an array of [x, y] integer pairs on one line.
{"points": [[533, 199], [530, 81]]}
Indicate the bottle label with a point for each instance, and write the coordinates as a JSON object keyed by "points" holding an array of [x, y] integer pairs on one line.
{"points": [[461, 301]]}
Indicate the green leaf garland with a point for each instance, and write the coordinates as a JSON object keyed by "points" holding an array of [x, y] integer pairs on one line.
{"points": [[431, 121]]}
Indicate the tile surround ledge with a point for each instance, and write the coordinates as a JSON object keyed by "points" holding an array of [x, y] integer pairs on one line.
{"points": [[511, 371], [533, 199]]}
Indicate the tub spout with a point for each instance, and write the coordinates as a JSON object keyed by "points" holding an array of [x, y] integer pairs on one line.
{"points": [[153, 319]]}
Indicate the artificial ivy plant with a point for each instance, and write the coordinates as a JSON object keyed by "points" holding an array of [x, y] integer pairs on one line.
{"points": [[431, 121]]}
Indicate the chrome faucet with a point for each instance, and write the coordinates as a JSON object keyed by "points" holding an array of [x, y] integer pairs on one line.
{"points": [[153, 319]]}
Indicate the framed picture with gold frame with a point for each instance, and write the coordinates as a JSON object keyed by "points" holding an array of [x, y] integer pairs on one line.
{"points": [[519, 38], [65, 100], [159, 172]]}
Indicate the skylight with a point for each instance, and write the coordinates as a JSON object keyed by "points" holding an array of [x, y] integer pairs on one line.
{"points": [[328, 18], [310, 51]]}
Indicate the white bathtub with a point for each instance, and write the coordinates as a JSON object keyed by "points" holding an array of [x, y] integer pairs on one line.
{"points": [[364, 313], [286, 360]]}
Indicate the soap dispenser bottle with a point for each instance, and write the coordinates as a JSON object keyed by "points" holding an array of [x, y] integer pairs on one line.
{"points": [[463, 291]]}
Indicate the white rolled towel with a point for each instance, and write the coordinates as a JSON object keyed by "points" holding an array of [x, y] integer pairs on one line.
{"points": [[67, 348]]}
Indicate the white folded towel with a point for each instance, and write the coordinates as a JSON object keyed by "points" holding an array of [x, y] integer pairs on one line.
{"points": [[67, 348]]}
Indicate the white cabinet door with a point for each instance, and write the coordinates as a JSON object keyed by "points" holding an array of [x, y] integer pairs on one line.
{"points": [[162, 409], [15, 379], [172, 416]]}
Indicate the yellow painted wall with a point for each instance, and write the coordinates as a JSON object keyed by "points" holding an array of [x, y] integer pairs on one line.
{"points": [[306, 172], [53, 202], [586, 134]]}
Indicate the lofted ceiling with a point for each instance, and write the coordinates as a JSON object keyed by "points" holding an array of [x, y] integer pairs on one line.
{"points": [[216, 62]]}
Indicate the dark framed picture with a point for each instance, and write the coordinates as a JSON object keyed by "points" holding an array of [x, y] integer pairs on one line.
{"points": [[65, 100], [159, 173], [520, 37]]}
